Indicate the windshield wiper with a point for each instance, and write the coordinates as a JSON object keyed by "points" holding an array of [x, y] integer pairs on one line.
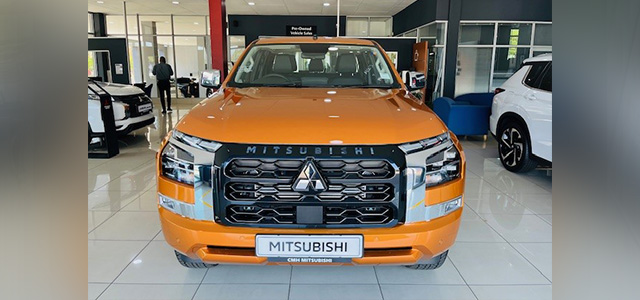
{"points": [[362, 86], [291, 84]]}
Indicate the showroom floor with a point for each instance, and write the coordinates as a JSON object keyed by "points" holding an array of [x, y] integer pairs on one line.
{"points": [[503, 249]]}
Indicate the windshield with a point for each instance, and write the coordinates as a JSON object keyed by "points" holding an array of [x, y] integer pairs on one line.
{"points": [[314, 65]]}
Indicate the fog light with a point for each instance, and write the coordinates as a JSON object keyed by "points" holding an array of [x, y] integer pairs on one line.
{"points": [[177, 207], [443, 209]]}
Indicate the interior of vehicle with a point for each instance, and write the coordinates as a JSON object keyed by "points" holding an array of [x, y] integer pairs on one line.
{"points": [[314, 65]]}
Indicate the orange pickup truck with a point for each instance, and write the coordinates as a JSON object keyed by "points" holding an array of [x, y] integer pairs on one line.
{"points": [[313, 151]]}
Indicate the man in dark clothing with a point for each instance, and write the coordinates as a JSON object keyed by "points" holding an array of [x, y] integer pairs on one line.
{"points": [[163, 73]]}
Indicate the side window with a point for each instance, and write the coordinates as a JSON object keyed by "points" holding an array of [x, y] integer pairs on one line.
{"points": [[533, 76], [546, 82]]}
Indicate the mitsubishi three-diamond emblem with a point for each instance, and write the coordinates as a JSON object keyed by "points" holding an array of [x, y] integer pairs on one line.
{"points": [[309, 179]]}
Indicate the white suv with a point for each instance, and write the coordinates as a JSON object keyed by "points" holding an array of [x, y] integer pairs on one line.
{"points": [[132, 109], [521, 116]]}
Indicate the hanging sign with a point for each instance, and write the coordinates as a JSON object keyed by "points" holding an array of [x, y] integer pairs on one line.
{"points": [[301, 30]]}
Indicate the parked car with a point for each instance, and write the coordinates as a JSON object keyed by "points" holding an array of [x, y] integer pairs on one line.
{"points": [[132, 109], [313, 151], [521, 116]]}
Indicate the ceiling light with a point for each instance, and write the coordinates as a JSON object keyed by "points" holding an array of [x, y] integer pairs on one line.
{"points": [[100, 2], [195, 23], [175, 2], [326, 4], [252, 3]]}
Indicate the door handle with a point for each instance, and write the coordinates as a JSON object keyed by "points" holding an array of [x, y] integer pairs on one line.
{"points": [[532, 97]]}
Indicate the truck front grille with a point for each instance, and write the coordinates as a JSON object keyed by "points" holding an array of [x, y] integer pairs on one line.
{"points": [[260, 192], [260, 213]]}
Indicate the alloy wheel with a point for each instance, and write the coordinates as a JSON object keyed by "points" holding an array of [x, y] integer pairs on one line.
{"points": [[511, 146]]}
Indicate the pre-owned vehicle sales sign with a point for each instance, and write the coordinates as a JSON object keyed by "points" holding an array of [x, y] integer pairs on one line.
{"points": [[309, 248], [301, 30]]}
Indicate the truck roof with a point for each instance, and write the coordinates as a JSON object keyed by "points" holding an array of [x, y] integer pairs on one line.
{"points": [[320, 39]]}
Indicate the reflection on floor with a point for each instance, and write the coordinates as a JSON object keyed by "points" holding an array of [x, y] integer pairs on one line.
{"points": [[503, 250]]}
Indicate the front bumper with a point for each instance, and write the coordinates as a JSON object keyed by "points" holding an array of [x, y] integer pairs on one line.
{"points": [[124, 127], [401, 245]]}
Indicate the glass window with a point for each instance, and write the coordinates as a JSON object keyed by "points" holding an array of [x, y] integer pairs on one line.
{"points": [[476, 34], [190, 25], [546, 82], [434, 74], [236, 47], [152, 48], [115, 25], [191, 60], [134, 59], [314, 65], [433, 32], [507, 62], [514, 34], [380, 26], [357, 26], [155, 24], [92, 70], [412, 33], [474, 69], [543, 35], [535, 69]]}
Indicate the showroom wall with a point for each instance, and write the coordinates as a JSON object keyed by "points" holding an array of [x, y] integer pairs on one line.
{"points": [[419, 13], [478, 67], [253, 26], [512, 10]]}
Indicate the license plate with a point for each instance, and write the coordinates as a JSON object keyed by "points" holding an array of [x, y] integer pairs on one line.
{"points": [[144, 107], [309, 246]]}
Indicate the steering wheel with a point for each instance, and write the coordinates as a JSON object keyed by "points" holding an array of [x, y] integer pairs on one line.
{"points": [[275, 75]]}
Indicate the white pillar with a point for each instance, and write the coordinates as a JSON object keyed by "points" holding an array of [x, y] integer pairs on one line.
{"points": [[338, 19]]}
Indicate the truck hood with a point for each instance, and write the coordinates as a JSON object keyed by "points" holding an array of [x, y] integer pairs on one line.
{"points": [[116, 89], [312, 116]]}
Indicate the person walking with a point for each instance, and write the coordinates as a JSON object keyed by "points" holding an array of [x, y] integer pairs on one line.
{"points": [[163, 73]]}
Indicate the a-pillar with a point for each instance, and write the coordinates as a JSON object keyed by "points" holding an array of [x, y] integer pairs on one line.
{"points": [[218, 34]]}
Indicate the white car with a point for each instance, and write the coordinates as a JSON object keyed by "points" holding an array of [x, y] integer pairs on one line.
{"points": [[132, 109], [521, 116]]}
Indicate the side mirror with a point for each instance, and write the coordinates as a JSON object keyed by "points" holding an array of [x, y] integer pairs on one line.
{"points": [[210, 79], [413, 80]]}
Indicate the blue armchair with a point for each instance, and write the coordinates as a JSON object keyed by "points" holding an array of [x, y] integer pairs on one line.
{"points": [[466, 114]]}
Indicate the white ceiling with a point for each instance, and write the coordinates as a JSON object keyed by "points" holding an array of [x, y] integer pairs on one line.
{"points": [[261, 7]]}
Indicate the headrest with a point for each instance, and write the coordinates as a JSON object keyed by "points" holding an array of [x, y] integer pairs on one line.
{"points": [[315, 65], [284, 63], [346, 63]]}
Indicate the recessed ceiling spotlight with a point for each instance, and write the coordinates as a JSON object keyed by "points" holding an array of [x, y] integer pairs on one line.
{"points": [[326, 4], [195, 23], [100, 2], [252, 3], [175, 2]]}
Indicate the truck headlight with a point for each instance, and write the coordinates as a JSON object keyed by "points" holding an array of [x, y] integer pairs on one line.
{"points": [[177, 164], [431, 162], [442, 166], [442, 162]]}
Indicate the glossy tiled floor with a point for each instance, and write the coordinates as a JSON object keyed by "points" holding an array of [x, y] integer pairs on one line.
{"points": [[503, 250]]}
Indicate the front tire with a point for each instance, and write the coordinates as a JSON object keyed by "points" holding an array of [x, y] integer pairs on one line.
{"points": [[514, 148], [433, 264], [192, 263]]}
